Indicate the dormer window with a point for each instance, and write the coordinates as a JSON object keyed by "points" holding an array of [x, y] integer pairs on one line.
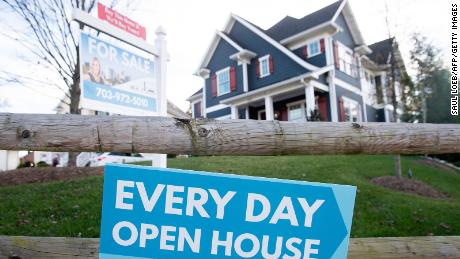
{"points": [[264, 66]]}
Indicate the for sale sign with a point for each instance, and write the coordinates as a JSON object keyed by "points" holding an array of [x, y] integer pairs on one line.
{"points": [[115, 79], [118, 20], [166, 213]]}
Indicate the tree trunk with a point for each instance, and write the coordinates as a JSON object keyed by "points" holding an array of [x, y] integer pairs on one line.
{"points": [[75, 91]]}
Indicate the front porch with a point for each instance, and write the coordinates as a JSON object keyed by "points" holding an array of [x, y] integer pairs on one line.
{"points": [[301, 104]]}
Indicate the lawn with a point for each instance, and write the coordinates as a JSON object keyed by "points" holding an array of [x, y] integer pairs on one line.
{"points": [[73, 208]]}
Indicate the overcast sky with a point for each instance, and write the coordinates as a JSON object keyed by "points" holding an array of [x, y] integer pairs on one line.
{"points": [[191, 25]]}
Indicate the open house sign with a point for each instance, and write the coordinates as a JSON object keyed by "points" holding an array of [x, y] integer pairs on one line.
{"points": [[166, 213]]}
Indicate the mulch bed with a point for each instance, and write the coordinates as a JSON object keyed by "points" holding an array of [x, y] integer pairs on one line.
{"points": [[409, 186], [46, 174]]}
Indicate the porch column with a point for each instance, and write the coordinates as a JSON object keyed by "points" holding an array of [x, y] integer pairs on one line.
{"points": [[309, 99], [269, 113], [234, 113], [333, 97], [247, 113], [245, 77]]}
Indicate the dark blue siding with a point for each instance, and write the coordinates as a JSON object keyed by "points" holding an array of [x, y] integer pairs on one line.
{"points": [[372, 114], [242, 113], [323, 79], [284, 67], [317, 60], [345, 38], [343, 92], [219, 113], [220, 60], [348, 79]]}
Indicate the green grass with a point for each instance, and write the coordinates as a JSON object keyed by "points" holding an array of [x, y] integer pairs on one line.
{"points": [[73, 208]]}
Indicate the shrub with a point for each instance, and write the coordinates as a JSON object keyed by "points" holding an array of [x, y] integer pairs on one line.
{"points": [[42, 164]]}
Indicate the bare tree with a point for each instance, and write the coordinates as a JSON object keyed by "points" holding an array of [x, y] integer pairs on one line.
{"points": [[51, 39]]}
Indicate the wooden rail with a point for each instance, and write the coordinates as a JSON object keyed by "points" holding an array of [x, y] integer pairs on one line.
{"points": [[211, 137], [360, 248]]}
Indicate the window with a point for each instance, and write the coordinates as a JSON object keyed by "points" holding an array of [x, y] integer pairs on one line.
{"points": [[296, 111], [352, 110], [347, 61], [223, 81], [313, 48], [264, 66]]}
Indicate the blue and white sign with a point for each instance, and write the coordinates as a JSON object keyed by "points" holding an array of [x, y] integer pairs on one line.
{"points": [[168, 213], [116, 80]]}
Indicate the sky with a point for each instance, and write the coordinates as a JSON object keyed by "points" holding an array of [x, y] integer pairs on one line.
{"points": [[190, 26]]}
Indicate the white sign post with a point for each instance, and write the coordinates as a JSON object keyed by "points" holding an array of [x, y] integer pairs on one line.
{"points": [[136, 86]]}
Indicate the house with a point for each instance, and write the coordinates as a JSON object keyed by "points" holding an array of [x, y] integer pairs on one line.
{"points": [[313, 68]]}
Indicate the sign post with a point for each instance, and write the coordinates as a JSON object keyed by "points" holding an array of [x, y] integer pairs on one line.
{"points": [[166, 213]]}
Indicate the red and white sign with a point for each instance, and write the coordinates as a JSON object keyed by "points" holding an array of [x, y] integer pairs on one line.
{"points": [[120, 21]]}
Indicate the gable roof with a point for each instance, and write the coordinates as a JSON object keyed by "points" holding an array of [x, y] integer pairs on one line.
{"points": [[196, 94], [381, 51], [218, 35], [261, 33], [290, 26]]}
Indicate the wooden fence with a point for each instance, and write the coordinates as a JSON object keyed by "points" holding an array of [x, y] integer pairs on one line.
{"points": [[360, 248], [231, 137], [211, 137]]}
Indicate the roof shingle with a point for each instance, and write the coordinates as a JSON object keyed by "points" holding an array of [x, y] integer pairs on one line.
{"points": [[381, 51], [290, 26]]}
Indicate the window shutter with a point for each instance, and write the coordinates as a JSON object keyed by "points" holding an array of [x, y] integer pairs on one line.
{"points": [[322, 46], [257, 69], [214, 85], [341, 109], [232, 79], [270, 63], [305, 52], [336, 55]]}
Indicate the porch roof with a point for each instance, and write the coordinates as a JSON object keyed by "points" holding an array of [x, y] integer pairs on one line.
{"points": [[277, 88]]}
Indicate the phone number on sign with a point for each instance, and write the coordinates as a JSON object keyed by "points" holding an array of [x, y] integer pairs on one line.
{"points": [[121, 97]]}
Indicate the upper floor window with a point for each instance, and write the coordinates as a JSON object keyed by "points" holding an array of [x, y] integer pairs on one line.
{"points": [[314, 48], [223, 81], [264, 66], [347, 63]]}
